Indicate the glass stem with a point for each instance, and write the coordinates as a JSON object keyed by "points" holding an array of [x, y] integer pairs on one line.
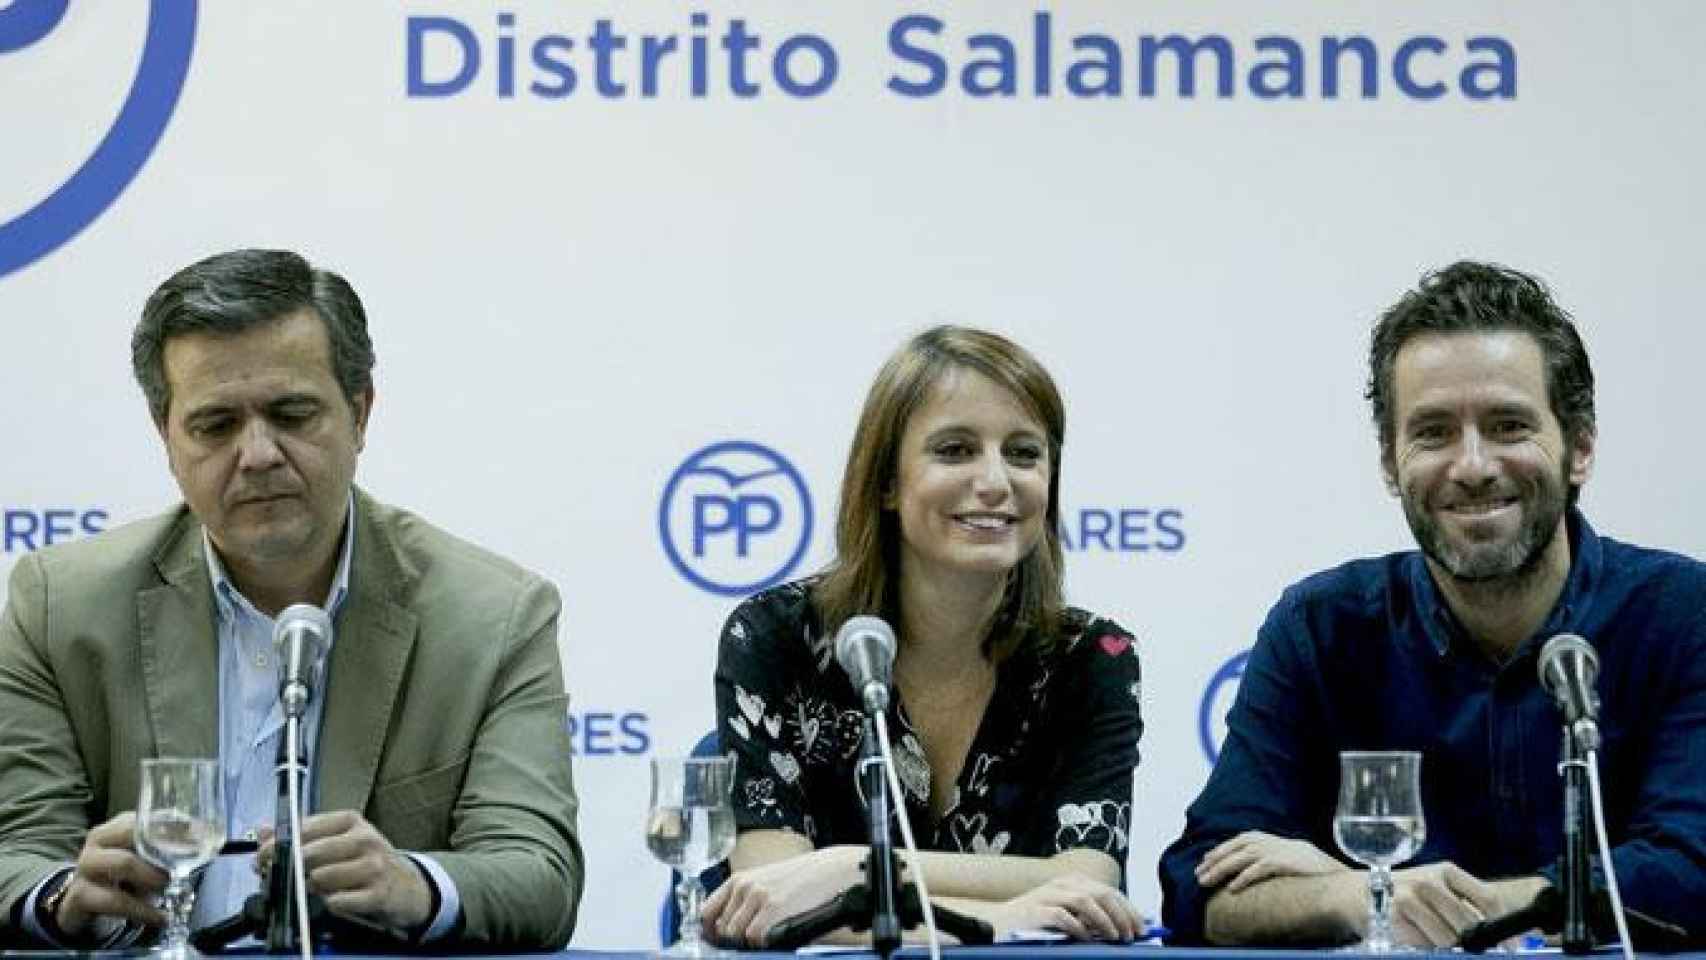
{"points": [[1379, 939], [690, 897], [179, 898]]}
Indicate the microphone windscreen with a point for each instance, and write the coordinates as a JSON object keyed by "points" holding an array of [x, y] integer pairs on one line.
{"points": [[864, 633], [311, 622], [1557, 654]]}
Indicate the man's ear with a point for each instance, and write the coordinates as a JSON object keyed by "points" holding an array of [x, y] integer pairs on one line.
{"points": [[1581, 457], [363, 410], [163, 427], [1389, 472]]}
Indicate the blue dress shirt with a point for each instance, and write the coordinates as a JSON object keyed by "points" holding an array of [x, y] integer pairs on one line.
{"points": [[1368, 656], [251, 722]]}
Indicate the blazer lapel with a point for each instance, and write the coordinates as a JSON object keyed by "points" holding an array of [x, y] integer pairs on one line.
{"points": [[370, 655], [179, 648]]}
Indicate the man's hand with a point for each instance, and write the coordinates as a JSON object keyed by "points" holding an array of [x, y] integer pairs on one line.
{"points": [[1432, 905], [356, 871], [743, 910], [1253, 856], [1077, 906], [110, 880]]}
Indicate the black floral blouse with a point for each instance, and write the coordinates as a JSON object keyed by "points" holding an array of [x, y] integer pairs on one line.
{"points": [[1050, 768]]}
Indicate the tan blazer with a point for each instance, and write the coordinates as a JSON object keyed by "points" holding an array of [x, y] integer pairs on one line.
{"points": [[444, 721]]}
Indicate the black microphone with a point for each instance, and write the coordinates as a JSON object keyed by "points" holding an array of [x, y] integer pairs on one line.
{"points": [[865, 649], [301, 637], [1543, 913], [1568, 669]]}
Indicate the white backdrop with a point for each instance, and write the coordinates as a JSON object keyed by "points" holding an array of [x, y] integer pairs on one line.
{"points": [[572, 296]]}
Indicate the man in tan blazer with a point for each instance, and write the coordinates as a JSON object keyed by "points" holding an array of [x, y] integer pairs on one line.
{"points": [[445, 810]]}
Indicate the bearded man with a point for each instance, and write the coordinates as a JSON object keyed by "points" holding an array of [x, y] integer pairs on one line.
{"points": [[1483, 399]]}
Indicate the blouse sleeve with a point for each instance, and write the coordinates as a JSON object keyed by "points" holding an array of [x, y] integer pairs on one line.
{"points": [[1092, 803], [755, 666]]}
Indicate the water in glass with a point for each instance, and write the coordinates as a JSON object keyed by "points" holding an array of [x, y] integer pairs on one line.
{"points": [[691, 839], [1379, 841], [177, 842]]}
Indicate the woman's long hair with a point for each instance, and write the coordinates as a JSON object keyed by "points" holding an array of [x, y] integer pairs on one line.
{"points": [[862, 578]]}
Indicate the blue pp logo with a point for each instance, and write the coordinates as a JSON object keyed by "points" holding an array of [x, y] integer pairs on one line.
{"points": [[735, 518], [1216, 702], [26, 27]]}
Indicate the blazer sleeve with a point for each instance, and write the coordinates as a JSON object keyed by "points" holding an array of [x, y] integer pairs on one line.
{"points": [[515, 855], [45, 796]]}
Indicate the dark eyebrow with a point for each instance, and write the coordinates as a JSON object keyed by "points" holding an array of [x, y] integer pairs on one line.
{"points": [[1514, 409], [294, 399], [959, 430], [208, 412], [1424, 413], [951, 430]]}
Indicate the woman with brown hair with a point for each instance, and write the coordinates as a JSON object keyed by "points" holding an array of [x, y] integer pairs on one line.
{"points": [[1015, 717]]}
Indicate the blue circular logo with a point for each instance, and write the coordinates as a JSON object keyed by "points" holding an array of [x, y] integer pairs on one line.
{"points": [[23, 22], [1216, 701], [736, 517], [153, 96]]}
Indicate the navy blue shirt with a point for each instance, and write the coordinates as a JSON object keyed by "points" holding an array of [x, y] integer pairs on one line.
{"points": [[1368, 656]]}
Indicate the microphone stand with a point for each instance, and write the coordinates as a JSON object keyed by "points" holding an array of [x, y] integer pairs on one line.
{"points": [[853, 908], [1546, 914], [1578, 909], [880, 867], [881, 904], [1573, 865]]}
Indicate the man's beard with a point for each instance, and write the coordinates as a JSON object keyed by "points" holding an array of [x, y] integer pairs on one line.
{"points": [[1512, 560]]}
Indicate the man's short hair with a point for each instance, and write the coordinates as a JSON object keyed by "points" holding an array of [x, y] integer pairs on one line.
{"points": [[1472, 297], [230, 293]]}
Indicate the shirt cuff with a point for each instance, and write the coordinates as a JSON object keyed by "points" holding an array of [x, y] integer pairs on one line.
{"points": [[32, 924], [448, 900], [107, 933]]}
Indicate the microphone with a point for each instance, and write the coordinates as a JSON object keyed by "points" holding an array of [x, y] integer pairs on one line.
{"points": [[865, 649], [1568, 669], [301, 637]]}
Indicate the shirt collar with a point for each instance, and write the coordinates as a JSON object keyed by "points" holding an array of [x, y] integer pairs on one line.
{"points": [[228, 600], [1586, 560]]}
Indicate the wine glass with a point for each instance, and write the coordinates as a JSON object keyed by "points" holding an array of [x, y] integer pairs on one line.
{"points": [[180, 826], [691, 826], [1379, 824]]}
